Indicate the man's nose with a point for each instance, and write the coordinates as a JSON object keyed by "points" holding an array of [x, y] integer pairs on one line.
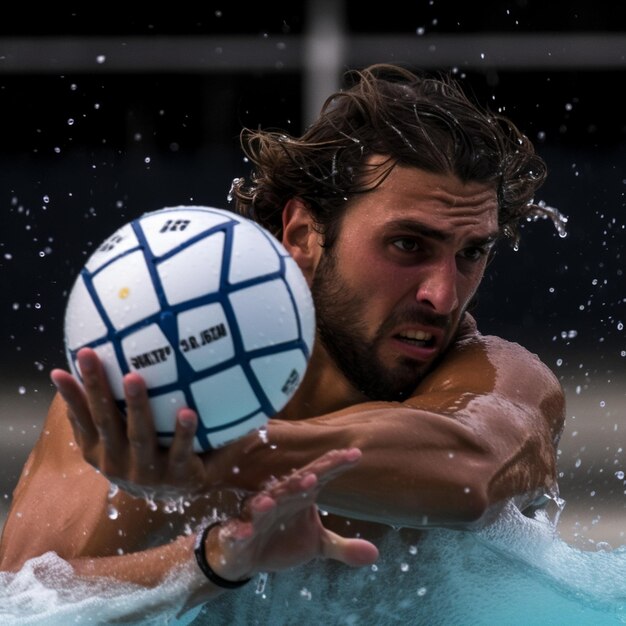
{"points": [[438, 285]]}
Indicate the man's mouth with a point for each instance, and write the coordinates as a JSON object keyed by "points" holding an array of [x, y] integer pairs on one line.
{"points": [[417, 338]]}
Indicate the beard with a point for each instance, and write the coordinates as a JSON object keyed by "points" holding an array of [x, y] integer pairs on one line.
{"points": [[346, 339]]}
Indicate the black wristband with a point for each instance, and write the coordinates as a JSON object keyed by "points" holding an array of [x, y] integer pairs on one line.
{"points": [[207, 570]]}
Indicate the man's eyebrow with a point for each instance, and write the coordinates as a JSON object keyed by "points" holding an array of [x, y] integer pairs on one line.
{"points": [[439, 235]]}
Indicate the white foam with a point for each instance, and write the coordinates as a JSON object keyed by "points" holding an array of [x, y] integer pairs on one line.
{"points": [[516, 572]]}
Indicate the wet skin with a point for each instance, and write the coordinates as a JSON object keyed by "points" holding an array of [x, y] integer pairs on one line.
{"points": [[477, 421], [390, 294]]}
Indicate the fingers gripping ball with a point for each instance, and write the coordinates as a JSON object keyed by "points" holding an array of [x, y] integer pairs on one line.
{"points": [[208, 307]]}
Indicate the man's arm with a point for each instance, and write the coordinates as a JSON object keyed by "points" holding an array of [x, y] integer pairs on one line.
{"points": [[481, 428], [61, 505]]}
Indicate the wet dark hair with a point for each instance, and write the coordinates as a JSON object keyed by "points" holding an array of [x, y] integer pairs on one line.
{"points": [[412, 120]]}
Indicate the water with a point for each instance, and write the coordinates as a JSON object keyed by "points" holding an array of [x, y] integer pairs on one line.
{"points": [[516, 572]]}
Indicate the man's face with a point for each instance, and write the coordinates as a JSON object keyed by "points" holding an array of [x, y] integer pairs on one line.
{"points": [[389, 295]]}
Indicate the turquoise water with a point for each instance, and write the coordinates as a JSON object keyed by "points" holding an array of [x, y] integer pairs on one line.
{"points": [[516, 572]]}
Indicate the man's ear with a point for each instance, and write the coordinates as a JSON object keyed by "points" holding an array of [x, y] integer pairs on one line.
{"points": [[300, 237]]}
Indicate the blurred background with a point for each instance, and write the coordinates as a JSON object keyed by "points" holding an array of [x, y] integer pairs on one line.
{"points": [[108, 113]]}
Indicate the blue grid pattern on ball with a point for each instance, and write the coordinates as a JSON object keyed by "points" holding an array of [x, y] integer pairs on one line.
{"points": [[166, 320]]}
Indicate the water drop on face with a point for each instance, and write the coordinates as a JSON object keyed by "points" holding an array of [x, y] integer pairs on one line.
{"points": [[112, 512]]}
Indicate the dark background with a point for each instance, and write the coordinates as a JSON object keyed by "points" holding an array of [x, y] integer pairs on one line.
{"points": [[108, 113], [88, 145]]}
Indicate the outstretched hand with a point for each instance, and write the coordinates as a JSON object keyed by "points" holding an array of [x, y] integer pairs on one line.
{"points": [[280, 526], [125, 449]]}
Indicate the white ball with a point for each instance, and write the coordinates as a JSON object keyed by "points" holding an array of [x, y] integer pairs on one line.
{"points": [[208, 307]]}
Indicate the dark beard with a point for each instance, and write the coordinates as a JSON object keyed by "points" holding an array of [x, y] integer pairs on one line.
{"points": [[344, 337]]}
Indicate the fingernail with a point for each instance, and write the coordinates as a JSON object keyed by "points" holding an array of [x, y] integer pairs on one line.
{"points": [[187, 420], [133, 388], [52, 379]]}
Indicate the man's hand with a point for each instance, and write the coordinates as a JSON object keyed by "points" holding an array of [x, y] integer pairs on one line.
{"points": [[125, 449], [280, 527]]}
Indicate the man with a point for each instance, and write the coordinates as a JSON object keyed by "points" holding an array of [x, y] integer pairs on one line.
{"points": [[391, 204]]}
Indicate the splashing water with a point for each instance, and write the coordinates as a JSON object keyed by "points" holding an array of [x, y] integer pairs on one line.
{"points": [[548, 212], [541, 211], [515, 572]]}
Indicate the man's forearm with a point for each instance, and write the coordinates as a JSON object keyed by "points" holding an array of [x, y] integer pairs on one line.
{"points": [[429, 469], [422, 485]]}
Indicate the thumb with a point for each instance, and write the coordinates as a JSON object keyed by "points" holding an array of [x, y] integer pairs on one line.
{"points": [[354, 552]]}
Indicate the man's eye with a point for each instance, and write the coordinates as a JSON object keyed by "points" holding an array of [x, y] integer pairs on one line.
{"points": [[474, 254], [406, 245]]}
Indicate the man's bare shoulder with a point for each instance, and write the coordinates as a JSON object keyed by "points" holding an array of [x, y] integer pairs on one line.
{"points": [[492, 356], [488, 365]]}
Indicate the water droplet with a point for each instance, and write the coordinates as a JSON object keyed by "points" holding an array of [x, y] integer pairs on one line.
{"points": [[113, 490]]}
